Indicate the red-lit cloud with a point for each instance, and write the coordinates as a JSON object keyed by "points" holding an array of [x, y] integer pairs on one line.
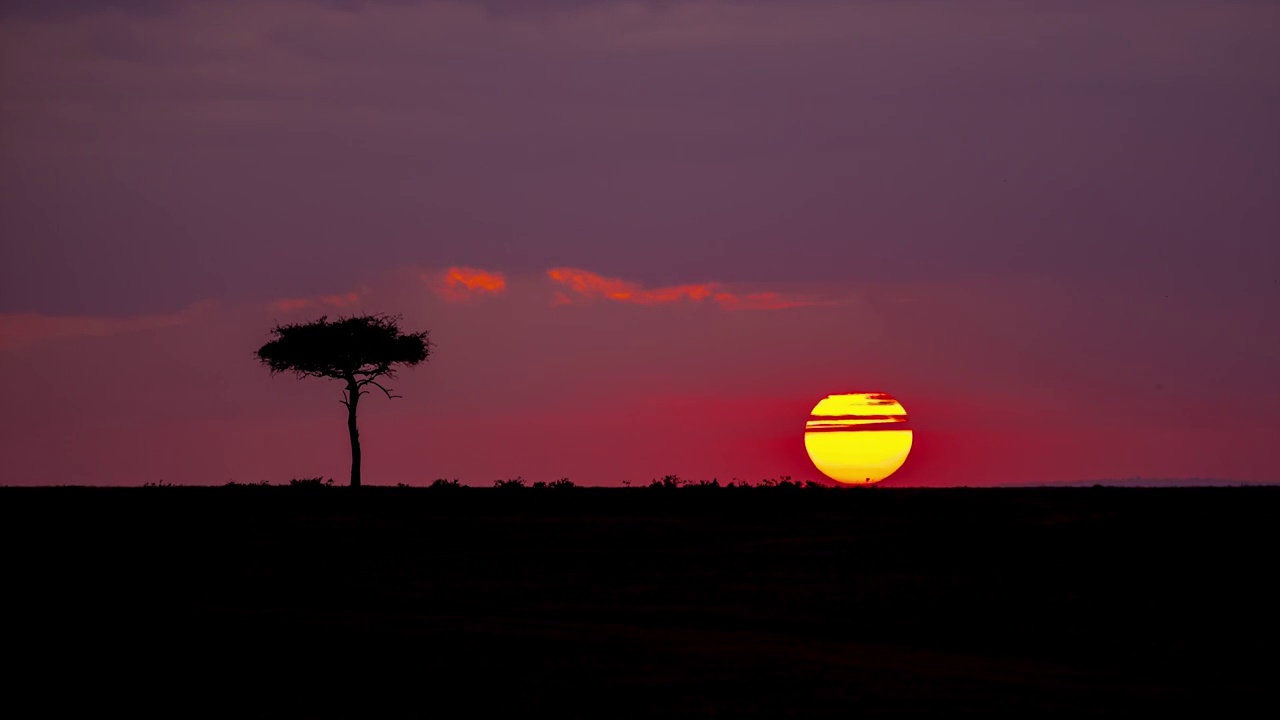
{"points": [[25, 329], [589, 284], [345, 300], [761, 301], [461, 283], [586, 284]]}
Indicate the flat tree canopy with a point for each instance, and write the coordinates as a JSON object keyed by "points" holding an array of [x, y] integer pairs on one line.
{"points": [[365, 346]]}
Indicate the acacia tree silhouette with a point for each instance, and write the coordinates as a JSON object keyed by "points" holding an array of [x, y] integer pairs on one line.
{"points": [[357, 350]]}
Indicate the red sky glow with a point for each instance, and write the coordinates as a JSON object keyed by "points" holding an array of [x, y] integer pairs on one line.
{"points": [[646, 237]]}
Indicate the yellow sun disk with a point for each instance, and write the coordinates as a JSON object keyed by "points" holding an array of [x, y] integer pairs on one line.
{"points": [[858, 457]]}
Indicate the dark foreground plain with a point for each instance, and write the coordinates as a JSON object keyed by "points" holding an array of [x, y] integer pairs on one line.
{"points": [[769, 602]]}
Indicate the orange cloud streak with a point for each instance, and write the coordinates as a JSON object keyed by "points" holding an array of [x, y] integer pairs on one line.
{"points": [[588, 284], [461, 283]]}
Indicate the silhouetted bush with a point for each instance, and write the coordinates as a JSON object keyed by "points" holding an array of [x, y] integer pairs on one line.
{"points": [[233, 483], [562, 484], [160, 483], [311, 482], [514, 483], [442, 484], [783, 481], [668, 482]]}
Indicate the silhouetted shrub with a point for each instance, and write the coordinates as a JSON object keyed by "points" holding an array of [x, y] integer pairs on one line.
{"points": [[442, 484], [160, 483], [713, 483], [311, 482], [509, 484], [561, 484], [233, 483], [668, 482]]}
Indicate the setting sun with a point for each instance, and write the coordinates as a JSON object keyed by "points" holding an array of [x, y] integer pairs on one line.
{"points": [[858, 438]]}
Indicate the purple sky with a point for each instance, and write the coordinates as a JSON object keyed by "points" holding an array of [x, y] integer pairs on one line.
{"points": [[1048, 228]]}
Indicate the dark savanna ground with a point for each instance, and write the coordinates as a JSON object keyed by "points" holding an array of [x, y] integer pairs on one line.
{"points": [[632, 602]]}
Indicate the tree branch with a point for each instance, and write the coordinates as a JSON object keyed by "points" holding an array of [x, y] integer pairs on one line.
{"points": [[378, 369], [371, 381]]}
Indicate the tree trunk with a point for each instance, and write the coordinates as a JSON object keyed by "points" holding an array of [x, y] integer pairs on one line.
{"points": [[353, 395]]}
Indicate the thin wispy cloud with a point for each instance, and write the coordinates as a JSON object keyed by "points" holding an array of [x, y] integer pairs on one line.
{"points": [[764, 301], [576, 284], [19, 330], [344, 300]]}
